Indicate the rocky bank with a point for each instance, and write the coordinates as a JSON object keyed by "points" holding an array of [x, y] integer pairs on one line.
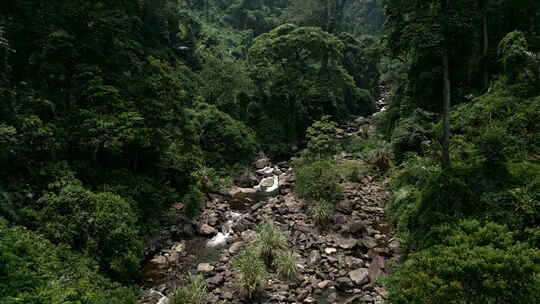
{"points": [[339, 264]]}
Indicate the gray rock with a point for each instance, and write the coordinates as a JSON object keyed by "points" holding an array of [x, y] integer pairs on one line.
{"points": [[314, 257], [217, 280], [376, 268], [360, 276], [357, 228], [324, 284], [246, 180], [235, 247], [240, 194], [360, 121], [330, 250], [343, 283], [346, 243], [369, 242], [159, 260]]}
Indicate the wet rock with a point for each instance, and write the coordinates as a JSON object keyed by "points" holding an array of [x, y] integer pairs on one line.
{"points": [[164, 300], [151, 296], [205, 267], [360, 276], [267, 182], [207, 230]]}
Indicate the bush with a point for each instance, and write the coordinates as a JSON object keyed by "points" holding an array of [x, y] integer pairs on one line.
{"points": [[269, 241], [286, 264], [474, 263], [251, 272], [101, 225], [352, 170], [33, 270], [193, 293], [318, 181]]}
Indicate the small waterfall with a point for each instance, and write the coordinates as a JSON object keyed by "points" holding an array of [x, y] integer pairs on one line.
{"points": [[221, 238]]}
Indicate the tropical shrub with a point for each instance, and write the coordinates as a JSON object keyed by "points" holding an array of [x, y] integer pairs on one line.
{"points": [[473, 263], [101, 225], [318, 181], [34, 270]]}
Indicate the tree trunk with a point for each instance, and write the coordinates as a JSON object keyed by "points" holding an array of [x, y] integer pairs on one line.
{"points": [[486, 48], [445, 162], [446, 112]]}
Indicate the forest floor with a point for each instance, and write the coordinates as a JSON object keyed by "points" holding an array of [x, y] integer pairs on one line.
{"points": [[341, 263]]}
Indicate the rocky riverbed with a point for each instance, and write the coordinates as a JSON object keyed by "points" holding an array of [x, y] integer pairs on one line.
{"points": [[339, 264]]}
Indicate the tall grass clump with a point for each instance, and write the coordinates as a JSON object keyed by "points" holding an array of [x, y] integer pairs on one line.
{"points": [[251, 272]]}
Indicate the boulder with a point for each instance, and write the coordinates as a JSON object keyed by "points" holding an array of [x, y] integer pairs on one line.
{"points": [[240, 194], [159, 260], [360, 121], [376, 268], [357, 228], [369, 242], [216, 280], [266, 172], [235, 247], [346, 243], [205, 267], [267, 182], [359, 276], [207, 230], [330, 250], [246, 180], [261, 163]]}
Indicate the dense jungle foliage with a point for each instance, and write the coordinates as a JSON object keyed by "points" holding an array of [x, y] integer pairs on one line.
{"points": [[113, 111]]}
